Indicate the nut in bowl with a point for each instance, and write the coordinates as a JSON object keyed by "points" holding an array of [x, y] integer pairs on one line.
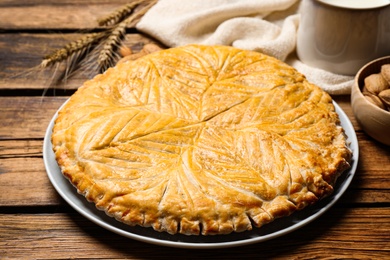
{"points": [[370, 99]]}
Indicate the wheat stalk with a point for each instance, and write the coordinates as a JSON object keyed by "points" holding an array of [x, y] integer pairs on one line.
{"points": [[107, 55], [99, 48], [119, 14], [140, 13], [79, 46]]}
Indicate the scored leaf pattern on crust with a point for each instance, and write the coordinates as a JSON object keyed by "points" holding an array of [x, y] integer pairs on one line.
{"points": [[200, 139]]}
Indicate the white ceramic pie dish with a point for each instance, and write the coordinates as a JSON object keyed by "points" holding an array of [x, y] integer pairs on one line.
{"points": [[270, 231]]}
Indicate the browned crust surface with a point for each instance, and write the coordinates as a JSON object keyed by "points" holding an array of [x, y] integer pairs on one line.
{"points": [[200, 140]]}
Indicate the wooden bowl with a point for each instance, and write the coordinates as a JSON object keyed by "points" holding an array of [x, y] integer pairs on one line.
{"points": [[373, 120]]}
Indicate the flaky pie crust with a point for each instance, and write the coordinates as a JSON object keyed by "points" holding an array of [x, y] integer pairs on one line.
{"points": [[200, 140]]}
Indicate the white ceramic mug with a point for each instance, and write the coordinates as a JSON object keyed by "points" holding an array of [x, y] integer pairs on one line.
{"points": [[341, 36]]}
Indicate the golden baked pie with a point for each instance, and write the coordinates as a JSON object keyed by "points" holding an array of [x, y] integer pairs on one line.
{"points": [[200, 140]]}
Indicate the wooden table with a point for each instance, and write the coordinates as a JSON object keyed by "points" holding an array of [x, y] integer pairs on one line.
{"points": [[36, 223]]}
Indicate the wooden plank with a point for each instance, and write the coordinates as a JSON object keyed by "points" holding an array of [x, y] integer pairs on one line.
{"points": [[21, 54], [23, 126], [27, 117], [360, 233], [5, 3], [20, 148], [22, 117], [365, 196], [374, 161], [55, 15], [24, 182]]}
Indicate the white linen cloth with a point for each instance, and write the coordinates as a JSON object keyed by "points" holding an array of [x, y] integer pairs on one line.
{"points": [[267, 26]]}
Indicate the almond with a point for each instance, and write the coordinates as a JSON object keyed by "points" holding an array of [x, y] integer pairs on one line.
{"points": [[148, 48], [375, 83], [385, 97], [365, 91], [385, 71], [125, 51], [151, 47], [375, 100]]}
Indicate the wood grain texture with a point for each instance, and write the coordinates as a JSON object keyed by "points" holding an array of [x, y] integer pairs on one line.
{"points": [[55, 15], [69, 235], [20, 148], [24, 182], [21, 54], [61, 16], [23, 125], [26, 117], [36, 223], [22, 117], [56, 2]]}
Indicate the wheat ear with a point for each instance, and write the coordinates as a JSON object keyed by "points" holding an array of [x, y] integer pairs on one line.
{"points": [[119, 14], [140, 13], [78, 46], [107, 55], [81, 53]]}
